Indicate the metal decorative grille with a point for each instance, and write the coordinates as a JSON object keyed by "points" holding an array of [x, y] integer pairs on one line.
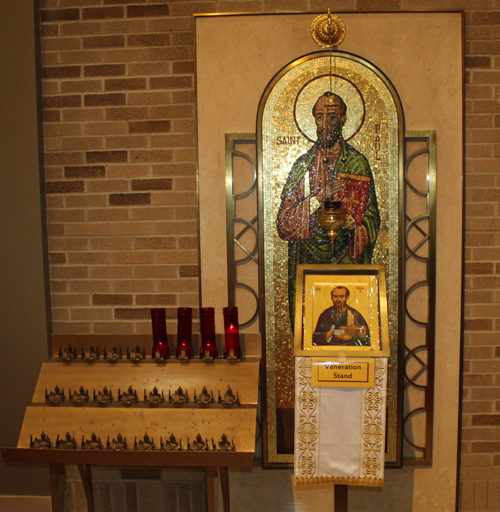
{"points": [[242, 235], [420, 291]]}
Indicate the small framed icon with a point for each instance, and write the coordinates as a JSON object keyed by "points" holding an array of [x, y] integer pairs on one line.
{"points": [[341, 310]]}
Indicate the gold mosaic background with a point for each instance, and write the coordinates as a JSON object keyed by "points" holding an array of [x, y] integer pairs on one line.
{"points": [[309, 77]]}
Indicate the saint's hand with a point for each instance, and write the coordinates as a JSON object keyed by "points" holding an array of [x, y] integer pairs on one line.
{"points": [[337, 187], [359, 241]]}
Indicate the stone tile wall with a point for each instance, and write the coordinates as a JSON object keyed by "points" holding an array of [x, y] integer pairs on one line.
{"points": [[119, 133]]}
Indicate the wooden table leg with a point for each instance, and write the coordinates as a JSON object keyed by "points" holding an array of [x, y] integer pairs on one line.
{"points": [[210, 488], [86, 476], [57, 486], [340, 498], [224, 484]]}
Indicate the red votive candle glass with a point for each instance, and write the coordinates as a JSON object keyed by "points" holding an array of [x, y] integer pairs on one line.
{"points": [[232, 332], [207, 320], [159, 331], [184, 325]]}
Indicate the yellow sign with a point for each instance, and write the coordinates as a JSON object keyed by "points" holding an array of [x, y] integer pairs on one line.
{"points": [[352, 373]]}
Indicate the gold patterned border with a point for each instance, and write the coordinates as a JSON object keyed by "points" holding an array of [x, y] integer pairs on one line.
{"points": [[373, 425], [307, 432], [307, 421], [339, 480]]}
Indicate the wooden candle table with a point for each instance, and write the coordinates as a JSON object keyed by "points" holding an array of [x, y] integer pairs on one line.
{"points": [[145, 413]]}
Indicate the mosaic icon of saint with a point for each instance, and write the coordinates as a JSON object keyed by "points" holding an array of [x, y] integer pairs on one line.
{"points": [[330, 170]]}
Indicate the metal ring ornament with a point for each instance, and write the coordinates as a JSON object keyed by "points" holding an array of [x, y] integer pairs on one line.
{"points": [[256, 312], [411, 158], [414, 225], [327, 30], [250, 254], [247, 192], [412, 354], [409, 292], [409, 416]]}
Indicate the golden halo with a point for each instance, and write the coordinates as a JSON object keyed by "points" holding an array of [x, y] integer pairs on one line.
{"points": [[310, 93], [329, 288], [327, 30]]}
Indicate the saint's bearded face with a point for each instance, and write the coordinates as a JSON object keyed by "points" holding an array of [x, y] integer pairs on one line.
{"points": [[330, 116], [339, 298], [329, 125]]}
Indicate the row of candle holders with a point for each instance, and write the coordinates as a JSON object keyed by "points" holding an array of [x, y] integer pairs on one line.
{"points": [[136, 355], [154, 398], [146, 443], [207, 328]]}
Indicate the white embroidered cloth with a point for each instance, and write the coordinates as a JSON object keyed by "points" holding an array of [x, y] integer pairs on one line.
{"points": [[339, 432]]}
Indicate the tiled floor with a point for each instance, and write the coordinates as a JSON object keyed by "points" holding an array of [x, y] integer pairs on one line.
{"points": [[132, 490], [252, 490], [139, 490]]}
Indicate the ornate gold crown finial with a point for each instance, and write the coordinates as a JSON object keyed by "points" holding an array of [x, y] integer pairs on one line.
{"points": [[328, 30]]}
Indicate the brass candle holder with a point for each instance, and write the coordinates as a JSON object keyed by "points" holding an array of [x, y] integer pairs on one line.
{"points": [[128, 397], [67, 355], [54, 397], [91, 354], [225, 445], [156, 354], [114, 355], [198, 445], [205, 397], [118, 445], [145, 444], [79, 397], [136, 355], [104, 397], [43, 443], [179, 397], [171, 444], [67, 442], [92, 444], [229, 398], [154, 398]]}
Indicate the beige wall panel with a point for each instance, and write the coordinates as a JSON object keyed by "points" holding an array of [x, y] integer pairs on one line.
{"points": [[421, 53]]}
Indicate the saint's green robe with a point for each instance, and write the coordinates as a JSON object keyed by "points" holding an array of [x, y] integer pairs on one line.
{"points": [[318, 248]]}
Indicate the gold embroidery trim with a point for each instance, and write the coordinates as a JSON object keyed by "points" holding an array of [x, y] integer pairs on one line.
{"points": [[372, 433], [339, 480], [307, 433], [373, 426]]}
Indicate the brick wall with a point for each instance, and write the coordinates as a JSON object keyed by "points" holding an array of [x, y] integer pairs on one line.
{"points": [[119, 131], [118, 104], [480, 420]]}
